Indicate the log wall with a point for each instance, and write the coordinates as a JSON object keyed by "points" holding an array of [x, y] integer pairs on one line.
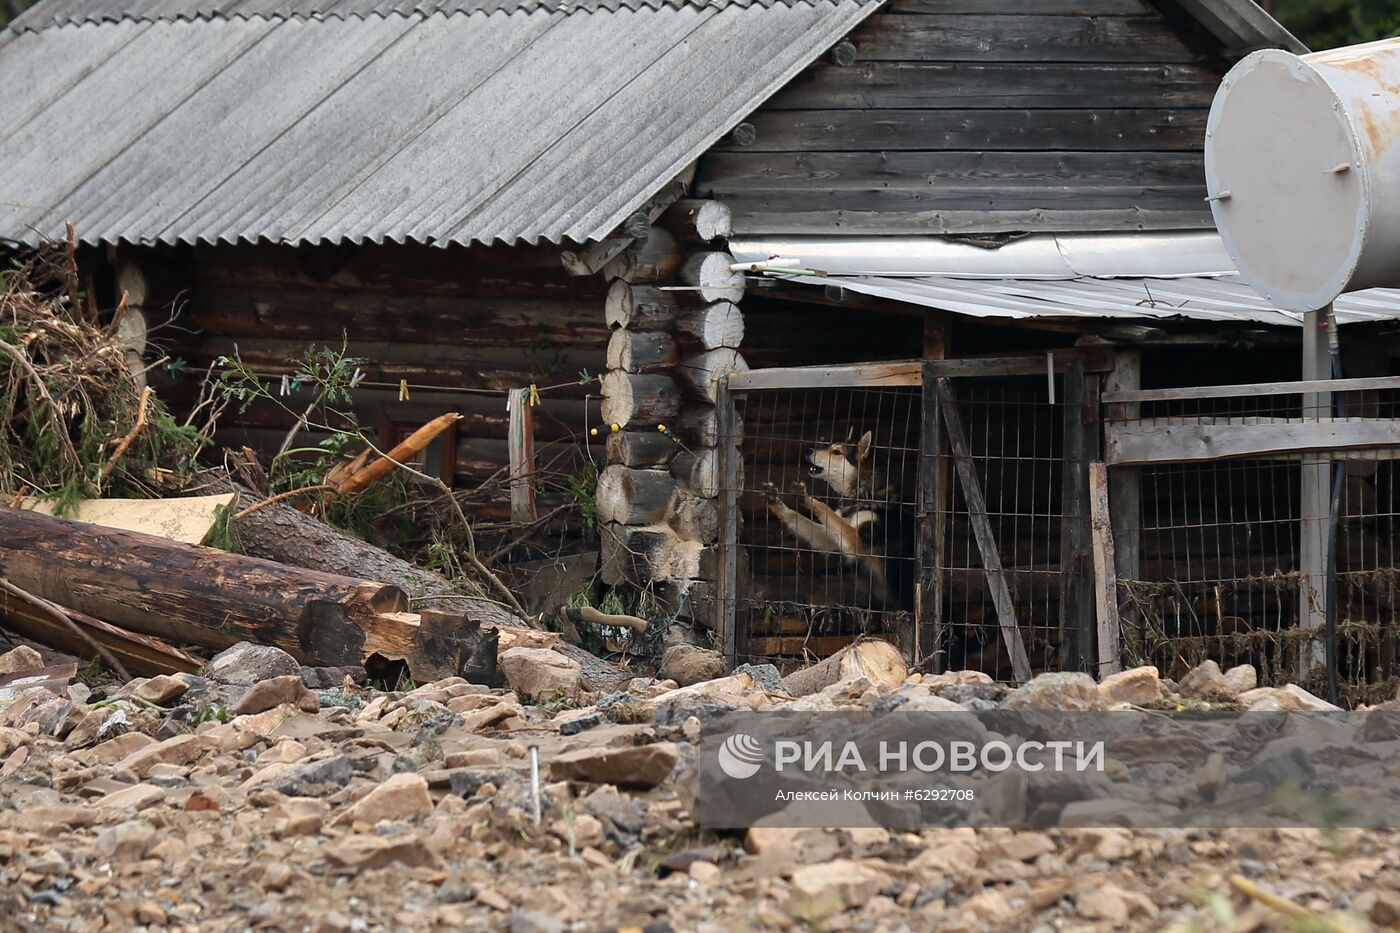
{"points": [[676, 328], [459, 326]]}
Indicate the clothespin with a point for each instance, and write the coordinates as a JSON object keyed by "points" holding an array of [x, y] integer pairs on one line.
{"points": [[669, 433], [612, 429], [534, 395], [403, 390]]}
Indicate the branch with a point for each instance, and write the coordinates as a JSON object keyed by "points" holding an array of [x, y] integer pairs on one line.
{"points": [[273, 500], [141, 406]]}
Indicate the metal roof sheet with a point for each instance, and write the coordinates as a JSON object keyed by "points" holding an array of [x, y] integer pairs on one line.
{"points": [[1221, 299], [443, 129], [52, 13]]}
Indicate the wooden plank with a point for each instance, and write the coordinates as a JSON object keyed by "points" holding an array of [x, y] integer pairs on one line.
{"points": [[520, 445], [1125, 486], [982, 531], [1105, 572], [1133, 445], [900, 373], [734, 641], [1028, 38], [997, 85], [1076, 601], [1258, 388], [933, 520], [934, 196], [876, 223], [736, 173], [1035, 7], [1114, 130], [1094, 359]]}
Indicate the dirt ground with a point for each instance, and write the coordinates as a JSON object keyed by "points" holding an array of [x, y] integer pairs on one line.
{"points": [[302, 803]]}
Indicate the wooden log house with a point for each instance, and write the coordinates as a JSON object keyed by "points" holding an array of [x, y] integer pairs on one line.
{"points": [[485, 196]]}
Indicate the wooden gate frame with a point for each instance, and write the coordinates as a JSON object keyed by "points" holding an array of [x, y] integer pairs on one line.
{"points": [[939, 420]]}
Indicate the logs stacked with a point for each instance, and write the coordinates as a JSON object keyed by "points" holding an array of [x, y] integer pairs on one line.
{"points": [[673, 309]]}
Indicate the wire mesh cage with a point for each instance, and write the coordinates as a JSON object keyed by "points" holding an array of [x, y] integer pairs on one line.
{"points": [[1232, 552], [827, 518], [1014, 434]]}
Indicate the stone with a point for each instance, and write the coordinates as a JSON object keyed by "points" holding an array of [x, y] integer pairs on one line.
{"points": [[635, 766], [17, 660], [1205, 682], [401, 797], [116, 749], [1073, 691], [937, 682], [367, 852], [688, 664], [137, 797], [161, 690], [848, 883], [1138, 686], [704, 873], [1295, 697], [540, 673], [530, 921], [576, 724], [766, 677], [129, 841], [274, 692], [991, 906], [312, 779], [1242, 678], [179, 750], [1022, 847], [246, 664]]}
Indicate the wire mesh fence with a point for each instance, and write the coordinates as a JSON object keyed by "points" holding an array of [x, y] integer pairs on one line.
{"points": [[1015, 438], [827, 519], [1232, 552]]}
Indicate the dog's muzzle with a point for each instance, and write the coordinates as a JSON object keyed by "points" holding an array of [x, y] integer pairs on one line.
{"points": [[809, 457]]}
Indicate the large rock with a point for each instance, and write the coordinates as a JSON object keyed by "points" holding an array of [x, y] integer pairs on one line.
{"points": [[245, 664], [1205, 682], [540, 673], [274, 692], [402, 797], [1242, 678], [1138, 686], [23, 658], [1070, 690], [634, 766], [161, 690], [688, 664], [126, 841], [844, 882]]}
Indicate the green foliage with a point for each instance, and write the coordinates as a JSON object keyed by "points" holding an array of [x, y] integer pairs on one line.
{"points": [[1327, 24], [583, 491]]}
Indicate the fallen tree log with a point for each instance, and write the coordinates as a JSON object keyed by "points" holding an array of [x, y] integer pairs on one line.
{"points": [[140, 655], [877, 661], [281, 533]]}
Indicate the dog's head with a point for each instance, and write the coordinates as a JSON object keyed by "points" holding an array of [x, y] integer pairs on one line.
{"points": [[840, 466]]}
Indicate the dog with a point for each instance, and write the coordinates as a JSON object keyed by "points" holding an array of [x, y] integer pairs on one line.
{"points": [[867, 527]]}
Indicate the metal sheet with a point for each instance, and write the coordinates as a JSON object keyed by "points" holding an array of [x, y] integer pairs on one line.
{"points": [[1223, 299], [80, 12], [1044, 256], [437, 129]]}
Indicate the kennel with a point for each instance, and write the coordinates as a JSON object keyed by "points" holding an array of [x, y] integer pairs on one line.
{"points": [[1032, 513]]}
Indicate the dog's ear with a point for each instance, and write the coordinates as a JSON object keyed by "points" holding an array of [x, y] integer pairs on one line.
{"points": [[863, 448]]}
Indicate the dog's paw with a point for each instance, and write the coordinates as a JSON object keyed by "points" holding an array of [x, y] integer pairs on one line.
{"points": [[800, 488], [773, 497]]}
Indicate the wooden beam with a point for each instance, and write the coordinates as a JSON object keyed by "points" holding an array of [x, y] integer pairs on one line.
{"points": [[734, 641], [1125, 484], [982, 531], [590, 259], [1315, 491], [902, 373], [520, 446], [1164, 441], [1076, 590], [934, 499], [1110, 658], [1306, 386]]}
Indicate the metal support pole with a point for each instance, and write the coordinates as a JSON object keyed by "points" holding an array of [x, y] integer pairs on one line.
{"points": [[1315, 501]]}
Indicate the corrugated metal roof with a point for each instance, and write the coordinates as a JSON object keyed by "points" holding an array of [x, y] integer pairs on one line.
{"points": [[1221, 299], [53, 13], [459, 129]]}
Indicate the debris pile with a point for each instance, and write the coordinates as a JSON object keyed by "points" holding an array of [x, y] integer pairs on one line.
{"points": [[262, 793]]}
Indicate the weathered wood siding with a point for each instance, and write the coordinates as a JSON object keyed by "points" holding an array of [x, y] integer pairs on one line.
{"points": [[965, 116], [459, 326]]}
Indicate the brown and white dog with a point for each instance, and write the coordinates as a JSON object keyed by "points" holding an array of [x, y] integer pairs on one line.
{"points": [[867, 527]]}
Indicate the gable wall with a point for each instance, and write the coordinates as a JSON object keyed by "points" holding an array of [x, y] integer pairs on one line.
{"points": [[984, 115]]}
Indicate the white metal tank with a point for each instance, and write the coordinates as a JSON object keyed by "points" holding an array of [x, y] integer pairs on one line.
{"points": [[1303, 171]]}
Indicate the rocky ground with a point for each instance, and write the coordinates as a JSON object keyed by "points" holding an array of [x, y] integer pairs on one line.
{"points": [[262, 795]]}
